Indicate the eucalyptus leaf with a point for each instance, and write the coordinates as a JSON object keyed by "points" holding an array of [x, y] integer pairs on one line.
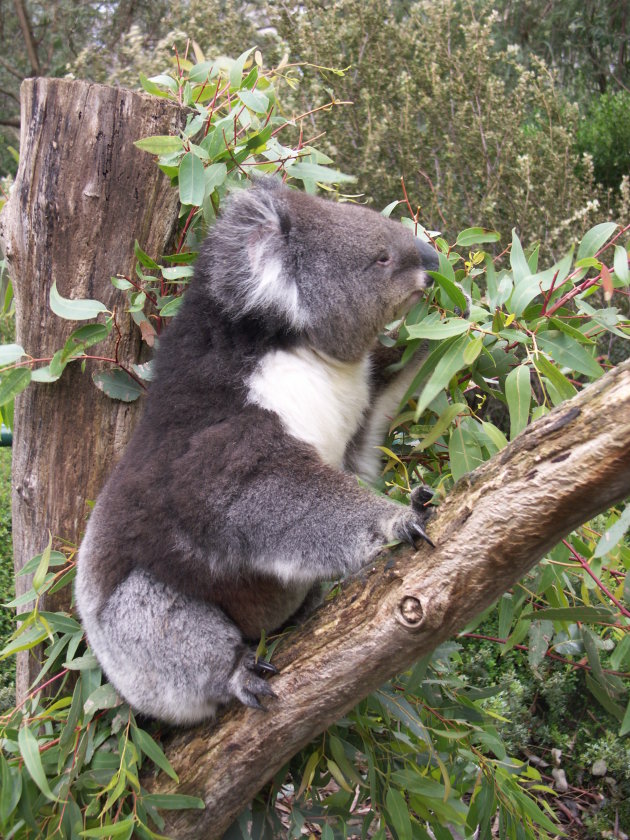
{"points": [[80, 309]]}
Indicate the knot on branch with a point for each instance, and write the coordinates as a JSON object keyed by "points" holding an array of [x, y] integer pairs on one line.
{"points": [[410, 612]]}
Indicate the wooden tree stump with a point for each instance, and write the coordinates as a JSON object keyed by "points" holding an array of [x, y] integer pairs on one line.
{"points": [[82, 195]]}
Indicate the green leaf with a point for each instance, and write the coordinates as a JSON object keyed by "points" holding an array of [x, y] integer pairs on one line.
{"points": [[74, 310], [472, 350], [520, 266], [143, 258], [303, 170], [151, 87], [518, 392], [525, 290], [172, 801], [556, 377], [441, 424], [495, 435], [399, 814], [214, 175], [160, 144], [450, 362], [625, 723], [569, 353], [103, 697], [13, 383], [613, 535], [594, 239], [191, 180], [453, 292], [255, 100], [236, 71], [42, 567], [171, 307], [29, 750], [477, 236], [148, 746], [464, 451], [433, 328], [10, 353], [117, 384], [176, 272], [10, 789], [571, 614], [621, 264], [337, 775], [118, 829], [540, 633]]}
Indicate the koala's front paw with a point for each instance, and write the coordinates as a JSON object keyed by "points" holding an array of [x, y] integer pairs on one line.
{"points": [[410, 527]]}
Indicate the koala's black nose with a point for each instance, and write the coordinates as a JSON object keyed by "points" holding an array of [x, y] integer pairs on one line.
{"points": [[428, 255]]}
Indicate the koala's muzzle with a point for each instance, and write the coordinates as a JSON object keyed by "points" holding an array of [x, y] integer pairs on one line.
{"points": [[429, 257]]}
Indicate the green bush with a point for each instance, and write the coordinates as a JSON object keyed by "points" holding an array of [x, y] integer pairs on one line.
{"points": [[604, 135]]}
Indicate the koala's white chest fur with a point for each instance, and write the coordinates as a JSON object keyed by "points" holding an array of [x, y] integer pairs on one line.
{"points": [[319, 400]]}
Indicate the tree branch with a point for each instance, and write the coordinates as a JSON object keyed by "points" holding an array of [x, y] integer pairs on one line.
{"points": [[27, 34], [496, 524]]}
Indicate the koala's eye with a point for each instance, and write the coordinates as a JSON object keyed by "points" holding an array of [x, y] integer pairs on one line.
{"points": [[383, 258]]}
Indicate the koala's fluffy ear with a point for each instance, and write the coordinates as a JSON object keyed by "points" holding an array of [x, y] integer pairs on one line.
{"points": [[247, 261]]}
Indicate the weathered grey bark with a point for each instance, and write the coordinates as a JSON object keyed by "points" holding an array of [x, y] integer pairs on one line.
{"points": [[497, 524], [82, 195]]}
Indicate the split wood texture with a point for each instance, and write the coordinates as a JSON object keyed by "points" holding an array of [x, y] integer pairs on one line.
{"points": [[496, 524], [82, 195]]}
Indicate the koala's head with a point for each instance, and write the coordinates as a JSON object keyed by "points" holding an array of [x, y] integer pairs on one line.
{"points": [[333, 273]]}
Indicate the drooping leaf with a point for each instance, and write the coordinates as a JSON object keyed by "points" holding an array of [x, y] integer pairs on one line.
{"points": [[191, 180], [154, 752], [117, 384], [29, 750], [621, 264], [80, 309], [518, 393], [399, 814]]}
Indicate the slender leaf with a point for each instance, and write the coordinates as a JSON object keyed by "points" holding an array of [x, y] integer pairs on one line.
{"points": [[611, 537], [518, 392], [191, 180], [29, 750], [160, 144], [569, 353]]}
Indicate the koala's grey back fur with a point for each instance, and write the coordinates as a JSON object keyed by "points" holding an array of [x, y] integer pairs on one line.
{"points": [[234, 496]]}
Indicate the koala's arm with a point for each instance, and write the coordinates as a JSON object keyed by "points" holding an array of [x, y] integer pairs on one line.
{"points": [[387, 388], [289, 514]]}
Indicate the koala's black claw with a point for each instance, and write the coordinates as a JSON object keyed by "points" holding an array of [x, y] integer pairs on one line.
{"points": [[423, 534], [261, 666]]}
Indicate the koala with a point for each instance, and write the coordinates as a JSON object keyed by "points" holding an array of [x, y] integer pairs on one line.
{"points": [[237, 492]]}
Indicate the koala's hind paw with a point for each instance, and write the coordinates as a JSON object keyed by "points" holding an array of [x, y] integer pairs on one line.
{"points": [[247, 684]]}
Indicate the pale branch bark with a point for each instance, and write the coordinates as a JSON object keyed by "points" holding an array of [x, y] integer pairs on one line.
{"points": [[496, 524], [82, 195]]}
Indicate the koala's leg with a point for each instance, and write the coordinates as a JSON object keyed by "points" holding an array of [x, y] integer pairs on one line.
{"points": [[170, 656]]}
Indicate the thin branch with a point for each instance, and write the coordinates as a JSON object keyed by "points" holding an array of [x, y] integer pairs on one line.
{"points": [[27, 34]]}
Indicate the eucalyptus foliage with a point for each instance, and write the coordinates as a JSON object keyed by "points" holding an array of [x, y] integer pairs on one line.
{"points": [[506, 339]]}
